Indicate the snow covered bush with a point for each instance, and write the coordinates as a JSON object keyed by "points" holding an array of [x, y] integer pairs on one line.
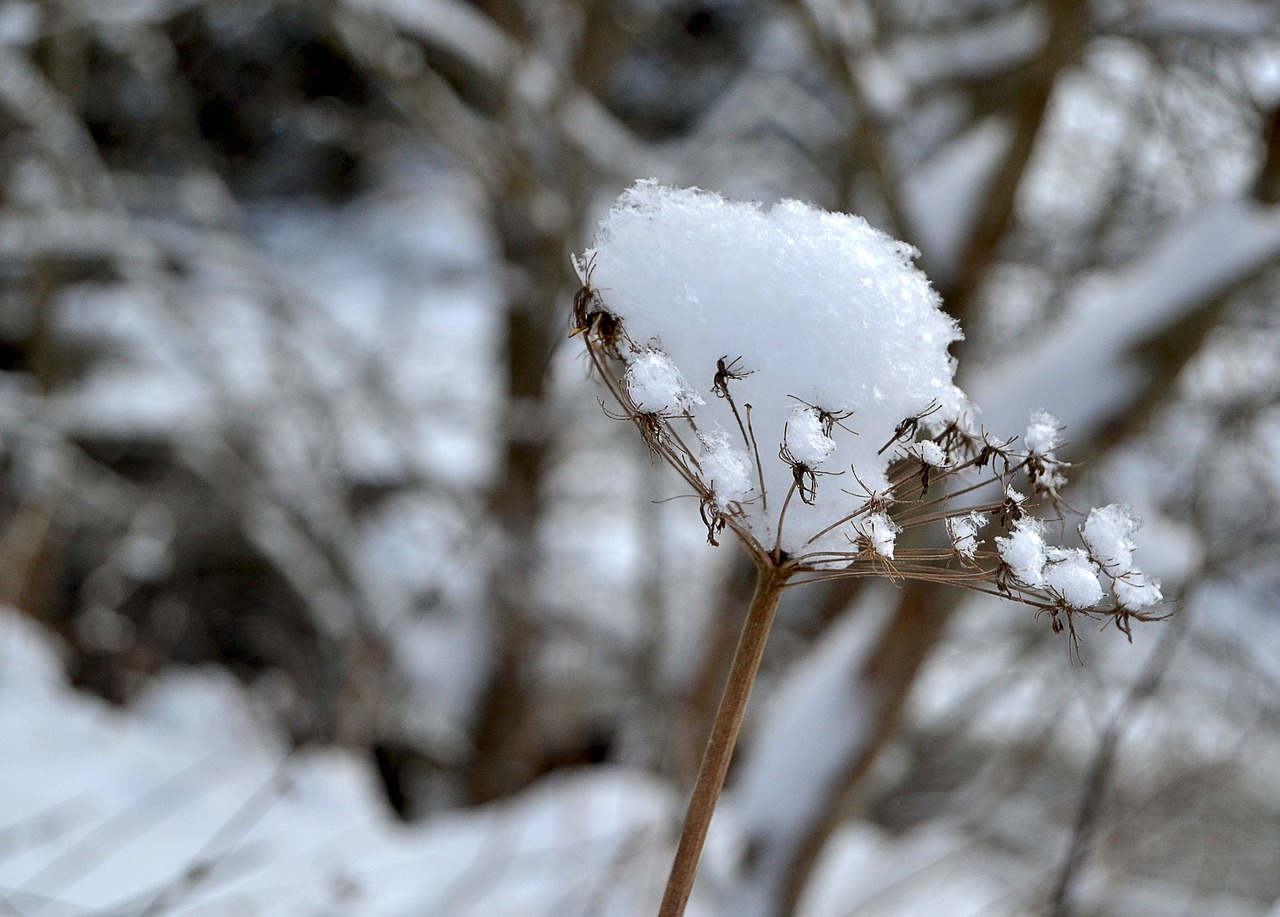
{"points": [[792, 366]]}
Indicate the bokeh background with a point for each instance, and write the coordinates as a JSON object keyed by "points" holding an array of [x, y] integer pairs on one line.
{"points": [[326, 587]]}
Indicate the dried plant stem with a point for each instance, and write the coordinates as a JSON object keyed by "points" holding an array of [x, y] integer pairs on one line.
{"points": [[770, 582]]}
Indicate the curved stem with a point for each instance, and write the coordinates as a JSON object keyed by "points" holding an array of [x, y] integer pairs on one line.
{"points": [[770, 581]]}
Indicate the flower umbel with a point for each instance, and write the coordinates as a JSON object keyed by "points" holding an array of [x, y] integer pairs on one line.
{"points": [[792, 367]]}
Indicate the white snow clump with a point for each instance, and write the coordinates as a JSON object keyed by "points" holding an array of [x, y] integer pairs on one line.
{"points": [[1023, 551], [878, 532], [656, 385], [806, 441], [1070, 575], [809, 306], [932, 454], [963, 531], [1108, 534], [1135, 591], [726, 470], [1044, 434]]}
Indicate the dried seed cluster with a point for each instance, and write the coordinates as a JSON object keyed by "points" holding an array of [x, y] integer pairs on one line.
{"points": [[792, 366], [936, 485]]}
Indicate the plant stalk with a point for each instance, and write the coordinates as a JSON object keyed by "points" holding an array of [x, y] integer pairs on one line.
{"points": [[770, 581]]}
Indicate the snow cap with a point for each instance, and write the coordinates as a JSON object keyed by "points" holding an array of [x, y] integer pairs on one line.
{"points": [[826, 317]]}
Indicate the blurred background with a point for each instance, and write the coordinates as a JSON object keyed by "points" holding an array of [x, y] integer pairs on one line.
{"points": [[326, 587]]}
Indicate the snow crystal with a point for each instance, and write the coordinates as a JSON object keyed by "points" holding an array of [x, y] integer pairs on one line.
{"points": [[1043, 435], [1107, 533], [1136, 591], [1023, 551], [726, 470], [656, 385], [808, 305], [806, 439], [1070, 575], [963, 531], [878, 532]]}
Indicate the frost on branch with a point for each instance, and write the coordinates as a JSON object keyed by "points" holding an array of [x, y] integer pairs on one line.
{"points": [[792, 365]]}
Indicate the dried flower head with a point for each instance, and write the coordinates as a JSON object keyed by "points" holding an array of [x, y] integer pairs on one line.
{"points": [[839, 368]]}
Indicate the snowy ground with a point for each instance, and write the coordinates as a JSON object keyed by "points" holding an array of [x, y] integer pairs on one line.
{"points": [[187, 804]]}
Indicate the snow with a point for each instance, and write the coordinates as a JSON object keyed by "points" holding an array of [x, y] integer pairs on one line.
{"points": [[1070, 576], [878, 532], [805, 439], [753, 307], [453, 26], [816, 307], [1066, 572], [991, 45], [932, 454], [963, 531], [19, 23], [933, 870], [441, 867], [1235, 365], [1136, 591], [1043, 434], [812, 726], [942, 197], [1107, 532], [1088, 360], [1238, 19], [726, 469], [1023, 551], [192, 805], [656, 386]]}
